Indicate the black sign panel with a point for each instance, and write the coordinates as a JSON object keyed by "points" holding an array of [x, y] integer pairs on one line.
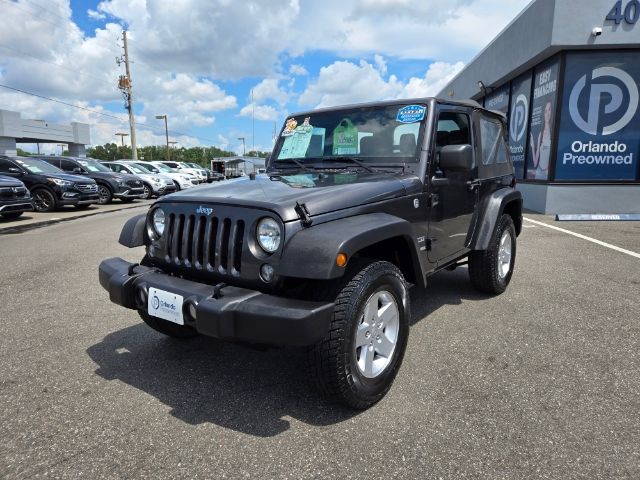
{"points": [[498, 100], [600, 124]]}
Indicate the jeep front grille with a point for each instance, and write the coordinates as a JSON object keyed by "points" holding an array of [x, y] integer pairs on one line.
{"points": [[205, 243]]}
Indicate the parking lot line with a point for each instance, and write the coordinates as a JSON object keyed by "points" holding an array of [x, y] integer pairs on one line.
{"points": [[584, 237]]}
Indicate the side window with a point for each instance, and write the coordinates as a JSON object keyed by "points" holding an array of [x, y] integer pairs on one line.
{"points": [[67, 165], [453, 129], [5, 165], [494, 150]]}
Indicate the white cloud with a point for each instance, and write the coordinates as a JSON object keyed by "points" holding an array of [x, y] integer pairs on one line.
{"points": [[260, 112], [95, 15], [436, 78], [345, 82], [298, 70], [269, 89]]}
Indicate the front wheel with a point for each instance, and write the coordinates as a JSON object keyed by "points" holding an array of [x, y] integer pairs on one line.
{"points": [[178, 188], [356, 363], [148, 192], [105, 195], [490, 270], [43, 200]]}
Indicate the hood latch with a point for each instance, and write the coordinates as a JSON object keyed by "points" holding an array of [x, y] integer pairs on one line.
{"points": [[303, 212]]}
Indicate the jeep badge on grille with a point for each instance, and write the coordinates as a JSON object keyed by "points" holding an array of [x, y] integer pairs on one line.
{"points": [[204, 210]]}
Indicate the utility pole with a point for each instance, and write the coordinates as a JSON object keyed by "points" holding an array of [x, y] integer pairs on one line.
{"points": [[166, 131], [126, 85]]}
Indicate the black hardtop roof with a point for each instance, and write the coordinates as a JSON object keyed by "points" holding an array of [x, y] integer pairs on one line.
{"points": [[408, 101]]}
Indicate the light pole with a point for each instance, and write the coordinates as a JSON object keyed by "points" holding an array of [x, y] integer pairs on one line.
{"points": [[122, 135], [166, 131], [173, 145], [61, 145]]}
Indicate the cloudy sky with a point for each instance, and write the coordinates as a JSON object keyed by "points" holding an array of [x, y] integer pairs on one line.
{"points": [[199, 60]]}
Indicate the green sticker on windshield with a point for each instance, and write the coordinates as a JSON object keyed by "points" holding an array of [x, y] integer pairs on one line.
{"points": [[345, 138], [297, 143]]}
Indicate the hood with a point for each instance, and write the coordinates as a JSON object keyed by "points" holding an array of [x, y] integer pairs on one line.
{"points": [[10, 182], [321, 192], [65, 176], [111, 176]]}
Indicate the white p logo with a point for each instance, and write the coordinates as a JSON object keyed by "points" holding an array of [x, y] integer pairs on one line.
{"points": [[592, 123], [519, 115]]}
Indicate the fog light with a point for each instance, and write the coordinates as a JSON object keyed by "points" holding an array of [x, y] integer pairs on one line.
{"points": [[192, 311], [267, 272], [142, 297]]}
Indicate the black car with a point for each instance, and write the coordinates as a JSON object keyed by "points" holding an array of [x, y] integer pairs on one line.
{"points": [[14, 198], [111, 185], [358, 204], [50, 187]]}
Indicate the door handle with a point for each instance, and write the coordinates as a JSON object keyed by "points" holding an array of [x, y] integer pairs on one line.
{"points": [[439, 181], [473, 184]]}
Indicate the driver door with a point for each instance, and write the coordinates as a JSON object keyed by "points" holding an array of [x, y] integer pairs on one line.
{"points": [[454, 193]]}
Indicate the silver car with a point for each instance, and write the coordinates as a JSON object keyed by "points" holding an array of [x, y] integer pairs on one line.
{"points": [[155, 185]]}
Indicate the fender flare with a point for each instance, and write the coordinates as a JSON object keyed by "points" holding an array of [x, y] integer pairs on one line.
{"points": [[134, 232], [491, 210], [311, 253]]}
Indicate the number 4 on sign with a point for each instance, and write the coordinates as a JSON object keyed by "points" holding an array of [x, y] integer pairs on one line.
{"points": [[630, 15]]}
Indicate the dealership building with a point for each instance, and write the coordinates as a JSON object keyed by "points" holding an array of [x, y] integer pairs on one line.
{"points": [[566, 73]]}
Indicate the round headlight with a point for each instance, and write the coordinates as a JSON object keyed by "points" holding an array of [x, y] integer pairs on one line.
{"points": [[268, 235], [157, 221]]}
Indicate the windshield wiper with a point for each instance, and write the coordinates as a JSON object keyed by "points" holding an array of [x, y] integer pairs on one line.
{"points": [[350, 159], [294, 161]]}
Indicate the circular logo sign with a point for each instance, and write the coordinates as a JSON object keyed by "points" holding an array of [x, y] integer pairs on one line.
{"points": [[519, 115], [155, 302], [604, 98]]}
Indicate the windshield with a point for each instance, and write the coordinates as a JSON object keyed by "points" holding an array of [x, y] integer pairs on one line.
{"points": [[93, 166], [382, 134], [151, 168], [162, 168], [137, 169], [32, 165]]}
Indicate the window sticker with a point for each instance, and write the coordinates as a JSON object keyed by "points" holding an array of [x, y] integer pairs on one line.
{"points": [[297, 143], [411, 114], [290, 127], [345, 138]]}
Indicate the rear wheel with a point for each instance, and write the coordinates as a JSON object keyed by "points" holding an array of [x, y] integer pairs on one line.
{"points": [[43, 200], [167, 328], [490, 270], [105, 195], [359, 358]]}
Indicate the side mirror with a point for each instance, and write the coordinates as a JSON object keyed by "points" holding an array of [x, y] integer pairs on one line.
{"points": [[456, 157], [15, 170], [77, 170]]}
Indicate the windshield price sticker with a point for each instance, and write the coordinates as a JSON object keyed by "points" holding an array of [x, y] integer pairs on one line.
{"points": [[411, 114], [297, 142], [345, 138]]}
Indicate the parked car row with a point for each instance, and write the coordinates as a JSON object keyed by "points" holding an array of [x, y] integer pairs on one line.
{"points": [[46, 183]]}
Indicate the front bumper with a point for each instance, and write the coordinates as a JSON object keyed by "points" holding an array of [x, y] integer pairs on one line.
{"points": [[15, 206], [231, 313], [130, 193], [78, 199]]}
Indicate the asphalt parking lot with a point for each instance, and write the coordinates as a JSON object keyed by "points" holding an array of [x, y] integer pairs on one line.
{"points": [[541, 382]]}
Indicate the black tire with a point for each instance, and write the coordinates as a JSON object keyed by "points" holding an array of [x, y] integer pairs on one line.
{"points": [[484, 270], [177, 186], [43, 200], [167, 328], [105, 195], [11, 215], [148, 192], [333, 364], [83, 207]]}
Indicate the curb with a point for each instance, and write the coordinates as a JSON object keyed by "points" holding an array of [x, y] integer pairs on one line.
{"points": [[45, 223]]}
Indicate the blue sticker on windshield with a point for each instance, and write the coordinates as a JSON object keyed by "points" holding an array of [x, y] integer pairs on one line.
{"points": [[411, 114]]}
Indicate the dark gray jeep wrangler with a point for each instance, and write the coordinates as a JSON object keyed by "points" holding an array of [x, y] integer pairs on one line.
{"points": [[358, 203]]}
